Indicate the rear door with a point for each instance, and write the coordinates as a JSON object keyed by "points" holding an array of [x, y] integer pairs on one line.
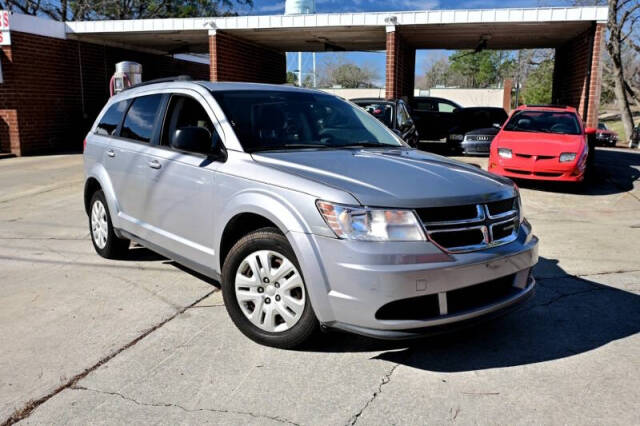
{"points": [[129, 163]]}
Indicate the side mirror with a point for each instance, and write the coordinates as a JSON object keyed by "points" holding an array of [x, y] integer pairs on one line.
{"points": [[590, 131], [193, 139]]}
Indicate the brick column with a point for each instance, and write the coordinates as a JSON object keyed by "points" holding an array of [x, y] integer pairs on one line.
{"points": [[400, 69], [595, 80], [235, 59], [577, 75], [9, 134]]}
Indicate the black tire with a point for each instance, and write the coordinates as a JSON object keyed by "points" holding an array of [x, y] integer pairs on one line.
{"points": [[114, 247], [265, 239]]}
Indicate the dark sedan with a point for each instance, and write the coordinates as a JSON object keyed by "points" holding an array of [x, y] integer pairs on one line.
{"points": [[475, 129], [394, 114]]}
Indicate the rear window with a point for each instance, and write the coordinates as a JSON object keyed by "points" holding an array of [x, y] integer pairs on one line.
{"points": [[111, 119], [138, 124], [544, 122]]}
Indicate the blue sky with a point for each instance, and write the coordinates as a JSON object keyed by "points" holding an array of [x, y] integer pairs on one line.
{"points": [[377, 59]]}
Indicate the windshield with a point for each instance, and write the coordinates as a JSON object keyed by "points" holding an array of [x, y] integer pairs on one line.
{"points": [[275, 120], [381, 111], [544, 122]]}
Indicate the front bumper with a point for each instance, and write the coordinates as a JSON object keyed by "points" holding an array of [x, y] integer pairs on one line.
{"points": [[362, 277], [549, 170]]}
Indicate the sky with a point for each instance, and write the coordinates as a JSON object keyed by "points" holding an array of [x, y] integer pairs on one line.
{"points": [[377, 59]]}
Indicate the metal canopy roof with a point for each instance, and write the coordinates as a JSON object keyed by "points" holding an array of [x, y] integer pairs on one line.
{"points": [[434, 29]]}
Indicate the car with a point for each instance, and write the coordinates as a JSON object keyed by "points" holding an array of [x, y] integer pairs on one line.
{"points": [[309, 212], [604, 136], [542, 142], [392, 113], [433, 117], [475, 129]]}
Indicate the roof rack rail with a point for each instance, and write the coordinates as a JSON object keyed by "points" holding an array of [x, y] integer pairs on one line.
{"points": [[160, 80]]}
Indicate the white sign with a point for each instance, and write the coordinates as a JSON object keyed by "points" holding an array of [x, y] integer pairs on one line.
{"points": [[5, 38]]}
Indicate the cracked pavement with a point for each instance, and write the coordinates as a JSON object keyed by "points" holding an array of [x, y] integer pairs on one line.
{"points": [[86, 340]]}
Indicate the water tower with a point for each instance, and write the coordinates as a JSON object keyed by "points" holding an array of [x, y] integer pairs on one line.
{"points": [[299, 7], [302, 7]]}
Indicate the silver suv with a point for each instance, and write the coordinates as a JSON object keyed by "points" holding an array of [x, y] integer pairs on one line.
{"points": [[308, 210]]}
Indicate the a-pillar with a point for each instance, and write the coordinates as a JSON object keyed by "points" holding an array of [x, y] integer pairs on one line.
{"points": [[400, 70]]}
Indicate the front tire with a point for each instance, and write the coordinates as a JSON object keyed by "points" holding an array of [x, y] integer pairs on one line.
{"points": [[264, 291], [103, 237]]}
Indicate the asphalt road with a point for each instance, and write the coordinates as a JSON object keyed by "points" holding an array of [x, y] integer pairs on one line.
{"points": [[86, 340]]}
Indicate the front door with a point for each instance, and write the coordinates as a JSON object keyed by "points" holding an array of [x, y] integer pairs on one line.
{"points": [[180, 207]]}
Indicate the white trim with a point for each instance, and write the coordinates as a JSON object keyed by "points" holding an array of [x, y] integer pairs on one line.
{"points": [[471, 16], [38, 26]]}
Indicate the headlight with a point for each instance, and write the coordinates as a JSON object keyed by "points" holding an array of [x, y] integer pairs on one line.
{"points": [[456, 137], [365, 224], [566, 157], [505, 153]]}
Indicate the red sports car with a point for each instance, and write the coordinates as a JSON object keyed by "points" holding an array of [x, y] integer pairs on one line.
{"points": [[542, 142]]}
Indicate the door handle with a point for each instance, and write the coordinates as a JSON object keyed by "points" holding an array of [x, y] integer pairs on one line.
{"points": [[111, 153], [155, 164]]}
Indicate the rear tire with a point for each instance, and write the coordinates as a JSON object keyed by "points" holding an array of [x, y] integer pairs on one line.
{"points": [[103, 237], [264, 291]]}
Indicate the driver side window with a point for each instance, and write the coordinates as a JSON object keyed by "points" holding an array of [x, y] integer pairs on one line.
{"points": [[185, 113]]}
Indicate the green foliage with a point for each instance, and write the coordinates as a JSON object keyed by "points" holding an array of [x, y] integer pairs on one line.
{"points": [[481, 69], [292, 78], [351, 76], [537, 89]]}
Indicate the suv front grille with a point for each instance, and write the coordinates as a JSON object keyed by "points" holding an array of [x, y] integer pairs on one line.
{"points": [[471, 227]]}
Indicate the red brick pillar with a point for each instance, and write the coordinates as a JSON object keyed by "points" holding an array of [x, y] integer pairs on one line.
{"points": [[400, 70], [236, 59], [595, 76], [9, 134], [577, 75]]}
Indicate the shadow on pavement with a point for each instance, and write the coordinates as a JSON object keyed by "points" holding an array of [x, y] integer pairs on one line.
{"points": [[568, 316]]}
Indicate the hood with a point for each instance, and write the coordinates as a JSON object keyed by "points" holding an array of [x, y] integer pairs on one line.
{"points": [[487, 131], [393, 177], [539, 143]]}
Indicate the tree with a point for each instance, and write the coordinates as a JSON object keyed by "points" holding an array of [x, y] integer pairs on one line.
{"points": [[482, 69], [292, 78], [339, 71], [63, 10], [623, 15], [539, 83]]}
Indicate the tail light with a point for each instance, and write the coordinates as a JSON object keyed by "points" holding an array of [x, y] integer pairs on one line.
{"points": [[84, 144]]}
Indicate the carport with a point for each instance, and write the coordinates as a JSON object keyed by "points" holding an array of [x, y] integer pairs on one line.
{"points": [[252, 48]]}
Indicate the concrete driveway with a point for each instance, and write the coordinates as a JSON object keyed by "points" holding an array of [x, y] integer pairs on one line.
{"points": [[86, 340]]}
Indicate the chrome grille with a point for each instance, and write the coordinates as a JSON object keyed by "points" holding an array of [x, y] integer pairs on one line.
{"points": [[471, 227]]}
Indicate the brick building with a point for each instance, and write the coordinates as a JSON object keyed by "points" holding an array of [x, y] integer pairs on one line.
{"points": [[55, 75]]}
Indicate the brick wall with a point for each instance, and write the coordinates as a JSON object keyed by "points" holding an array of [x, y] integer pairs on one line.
{"points": [[400, 67], [54, 89], [234, 59], [577, 75]]}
